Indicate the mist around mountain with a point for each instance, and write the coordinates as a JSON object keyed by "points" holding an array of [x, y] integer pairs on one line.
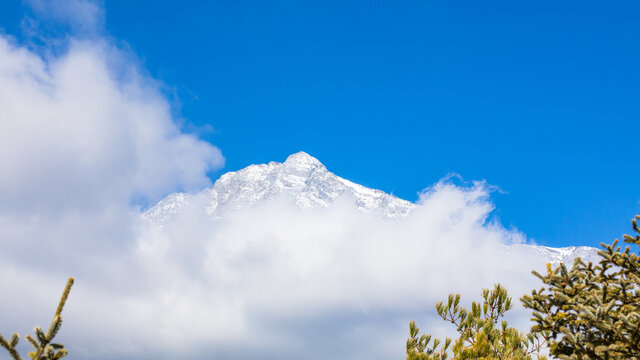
{"points": [[309, 260], [276, 261], [305, 182]]}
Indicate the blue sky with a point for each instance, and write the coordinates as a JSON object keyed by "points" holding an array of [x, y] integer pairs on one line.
{"points": [[108, 106], [537, 98]]}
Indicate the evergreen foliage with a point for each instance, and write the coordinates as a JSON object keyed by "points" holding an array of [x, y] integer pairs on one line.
{"points": [[45, 349], [479, 336], [592, 312]]}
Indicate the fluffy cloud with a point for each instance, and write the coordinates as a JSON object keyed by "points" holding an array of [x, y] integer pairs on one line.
{"points": [[276, 281], [84, 138], [337, 280], [73, 137]]}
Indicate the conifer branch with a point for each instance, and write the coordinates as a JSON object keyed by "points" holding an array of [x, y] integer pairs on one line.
{"points": [[592, 310], [63, 298], [10, 346], [45, 350], [479, 337]]}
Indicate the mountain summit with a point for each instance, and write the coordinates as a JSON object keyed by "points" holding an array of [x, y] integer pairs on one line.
{"points": [[303, 160], [301, 176], [309, 184]]}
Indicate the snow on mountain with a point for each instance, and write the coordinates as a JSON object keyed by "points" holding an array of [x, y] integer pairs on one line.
{"points": [[310, 184], [301, 176], [564, 255]]}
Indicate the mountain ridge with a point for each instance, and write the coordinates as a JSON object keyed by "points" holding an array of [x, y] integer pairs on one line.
{"points": [[301, 175], [310, 184]]}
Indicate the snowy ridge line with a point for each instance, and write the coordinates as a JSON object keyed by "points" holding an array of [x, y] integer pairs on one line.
{"points": [[310, 184], [301, 176]]}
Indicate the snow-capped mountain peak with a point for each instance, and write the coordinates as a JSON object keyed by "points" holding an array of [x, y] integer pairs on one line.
{"points": [[303, 161], [301, 177], [305, 181], [564, 255]]}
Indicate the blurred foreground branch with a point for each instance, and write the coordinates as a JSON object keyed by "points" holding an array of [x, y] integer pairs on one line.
{"points": [[45, 349]]}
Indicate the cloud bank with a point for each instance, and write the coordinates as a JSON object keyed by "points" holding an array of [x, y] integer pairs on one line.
{"points": [[84, 138], [337, 280]]}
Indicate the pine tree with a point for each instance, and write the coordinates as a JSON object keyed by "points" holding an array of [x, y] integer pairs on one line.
{"points": [[592, 311], [45, 349], [479, 336]]}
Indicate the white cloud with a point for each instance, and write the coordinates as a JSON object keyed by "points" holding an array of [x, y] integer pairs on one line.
{"points": [[337, 280], [83, 135], [83, 16], [279, 282], [83, 138], [72, 137]]}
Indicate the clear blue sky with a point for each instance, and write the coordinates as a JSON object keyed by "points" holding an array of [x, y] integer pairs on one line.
{"points": [[539, 98]]}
